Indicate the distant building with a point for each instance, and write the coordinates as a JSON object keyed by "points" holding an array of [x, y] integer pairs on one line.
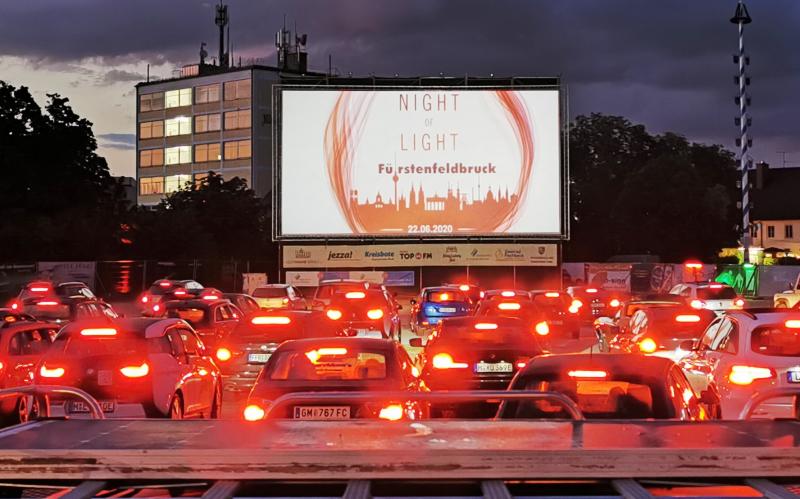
{"points": [[129, 187], [775, 211]]}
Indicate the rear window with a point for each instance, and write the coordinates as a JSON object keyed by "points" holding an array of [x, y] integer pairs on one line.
{"points": [[442, 296], [597, 399], [74, 291], [501, 335], [190, 315], [328, 364], [49, 312], [776, 341], [723, 293], [75, 345], [270, 293]]}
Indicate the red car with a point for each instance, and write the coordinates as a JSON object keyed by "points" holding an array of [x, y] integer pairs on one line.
{"points": [[213, 320], [163, 290], [368, 313]]}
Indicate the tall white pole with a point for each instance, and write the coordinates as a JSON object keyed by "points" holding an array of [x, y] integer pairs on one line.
{"points": [[742, 17]]}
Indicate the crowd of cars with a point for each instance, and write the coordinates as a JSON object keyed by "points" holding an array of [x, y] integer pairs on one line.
{"points": [[696, 353]]}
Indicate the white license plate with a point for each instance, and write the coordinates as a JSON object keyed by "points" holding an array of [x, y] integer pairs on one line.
{"points": [[793, 376], [104, 378], [447, 310], [493, 367], [322, 413], [258, 358], [80, 407]]}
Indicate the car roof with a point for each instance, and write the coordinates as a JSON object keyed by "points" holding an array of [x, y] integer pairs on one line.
{"points": [[620, 364], [471, 320], [764, 314], [149, 327], [365, 343], [441, 288], [276, 285], [195, 303]]}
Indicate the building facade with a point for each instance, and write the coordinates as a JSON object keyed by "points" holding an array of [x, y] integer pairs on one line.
{"points": [[217, 120], [775, 228]]}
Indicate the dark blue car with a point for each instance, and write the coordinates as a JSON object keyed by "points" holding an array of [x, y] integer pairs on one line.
{"points": [[435, 304]]}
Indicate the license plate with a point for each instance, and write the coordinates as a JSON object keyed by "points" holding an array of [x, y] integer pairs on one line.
{"points": [[793, 376], [322, 413], [449, 310], [80, 407], [104, 378], [258, 358], [557, 323], [493, 367]]}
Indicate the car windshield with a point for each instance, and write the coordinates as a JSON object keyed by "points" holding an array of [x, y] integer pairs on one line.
{"points": [[270, 293], [189, 314], [444, 295], [722, 293], [776, 341], [342, 364]]}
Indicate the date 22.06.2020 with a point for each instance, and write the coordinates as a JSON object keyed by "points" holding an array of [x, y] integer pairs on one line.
{"points": [[430, 229]]}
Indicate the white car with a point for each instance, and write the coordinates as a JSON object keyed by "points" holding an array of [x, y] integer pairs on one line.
{"points": [[714, 296], [745, 352]]}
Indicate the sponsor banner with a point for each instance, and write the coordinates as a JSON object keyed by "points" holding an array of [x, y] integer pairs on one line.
{"points": [[416, 255], [67, 271], [611, 276], [399, 162], [308, 279]]}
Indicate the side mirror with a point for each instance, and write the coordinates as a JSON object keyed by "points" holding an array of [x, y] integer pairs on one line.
{"points": [[415, 342], [688, 346]]}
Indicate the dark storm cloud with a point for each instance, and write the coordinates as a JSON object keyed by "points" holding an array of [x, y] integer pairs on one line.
{"points": [[666, 64], [123, 141], [121, 76]]}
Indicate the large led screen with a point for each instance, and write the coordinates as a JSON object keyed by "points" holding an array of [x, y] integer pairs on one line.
{"points": [[417, 162]]}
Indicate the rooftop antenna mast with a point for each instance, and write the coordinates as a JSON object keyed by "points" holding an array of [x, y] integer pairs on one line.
{"points": [[221, 21], [742, 17]]}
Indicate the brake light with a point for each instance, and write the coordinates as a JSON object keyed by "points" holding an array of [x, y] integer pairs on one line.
{"points": [[393, 412], [687, 318], [614, 303], [444, 297], [15, 306], [509, 306], [648, 345], [254, 413], [47, 303], [145, 299], [375, 314], [715, 286], [179, 292], [591, 290], [334, 314], [485, 326], [156, 308], [482, 294], [9, 319], [739, 302], [697, 304], [224, 354], [745, 375], [507, 294], [693, 265], [103, 331], [580, 373], [165, 284], [552, 294], [520, 365], [270, 320], [464, 287], [355, 295], [211, 297], [792, 324], [40, 289], [285, 301], [56, 372], [445, 361], [314, 355], [136, 371], [542, 329]]}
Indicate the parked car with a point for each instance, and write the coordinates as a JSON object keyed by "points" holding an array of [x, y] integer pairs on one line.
{"points": [[436, 303], [279, 296]]}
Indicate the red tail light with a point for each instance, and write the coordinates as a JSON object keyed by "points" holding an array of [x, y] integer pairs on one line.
{"points": [[271, 320], [445, 361], [165, 284], [355, 295], [694, 265], [792, 324], [285, 301], [464, 287], [648, 345], [583, 373], [47, 303], [687, 318], [509, 306], [145, 299], [180, 292], [482, 294], [745, 375], [40, 289], [392, 412], [375, 314], [715, 286], [102, 331], [156, 308], [739, 302], [15, 305], [697, 304], [552, 294], [542, 329], [55, 372], [507, 294], [254, 413], [211, 297], [334, 314], [614, 303], [224, 354], [591, 290], [136, 371], [485, 325]]}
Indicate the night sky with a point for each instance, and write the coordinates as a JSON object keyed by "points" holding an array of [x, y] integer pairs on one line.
{"points": [[665, 64]]}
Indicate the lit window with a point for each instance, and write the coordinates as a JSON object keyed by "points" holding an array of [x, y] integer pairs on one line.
{"points": [[206, 123], [237, 119], [199, 178], [151, 157], [151, 102], [239, 89], [176, 182], [151, 185], [178, 98], [207, 152], [237, 149], [151, 129], [178, 126], [178, 155], [207, 93], [788, 231], [771, 231]]}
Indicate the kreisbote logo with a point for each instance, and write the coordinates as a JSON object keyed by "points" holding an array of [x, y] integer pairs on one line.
{"points": [[379, 255]]}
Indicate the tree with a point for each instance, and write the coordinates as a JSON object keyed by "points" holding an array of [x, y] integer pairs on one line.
{"points": [[57, 197]]}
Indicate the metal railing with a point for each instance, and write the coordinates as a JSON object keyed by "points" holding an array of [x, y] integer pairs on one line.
{"points": [[41, 393], [443, 397], [759, 398]]}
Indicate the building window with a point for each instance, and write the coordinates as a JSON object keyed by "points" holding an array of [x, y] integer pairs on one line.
{"points": [[178, 98], [151, 157], [176, 182], [207, 152], [239, 89], [206, 123], [151, 185], [771, 231], [199, 178], [178, 155], [754, 231], [788, 231], [178, 126], [207, 93], [237, 149], [151, 129], [237, 119], [151, 102]]}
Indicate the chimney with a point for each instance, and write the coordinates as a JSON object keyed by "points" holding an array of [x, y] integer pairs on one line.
{"points": [[761, 173]]}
